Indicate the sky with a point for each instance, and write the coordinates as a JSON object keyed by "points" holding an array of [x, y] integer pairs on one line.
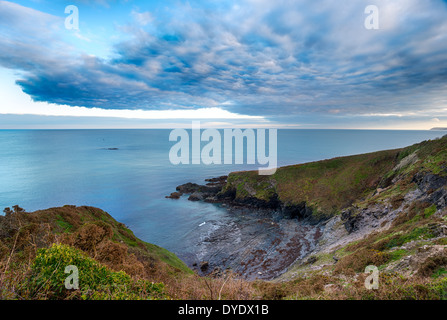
{"points": [[247, 63]]}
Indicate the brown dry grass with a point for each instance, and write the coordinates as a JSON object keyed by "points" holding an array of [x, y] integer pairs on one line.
{"points": [[21, 234], [433, 264], [360, 259]]}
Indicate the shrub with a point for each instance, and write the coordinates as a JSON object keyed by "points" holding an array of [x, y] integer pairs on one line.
{"points": [[417, 233], [398, 254], [90, 235], [360, 259], [440, 272], [396, 201], [95, 280], [429, 211], [434, 265]]}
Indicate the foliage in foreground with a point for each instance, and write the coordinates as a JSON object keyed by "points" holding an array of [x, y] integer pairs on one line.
{"points": [[96, 281], [36, 247]]}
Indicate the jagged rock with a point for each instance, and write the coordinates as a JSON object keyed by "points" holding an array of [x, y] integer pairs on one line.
{"points": [[209, 192], [437, 229], [214, 192], [204, 265], [253, 202], [188, 188], [196, 196], [295, 211], [217, 181], [355, 219], [311, 260], [174, 195], [427, 181], [350, 219], [217, 272]]}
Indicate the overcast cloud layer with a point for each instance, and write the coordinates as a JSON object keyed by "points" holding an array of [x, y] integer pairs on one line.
{"points": [[265, 58]]}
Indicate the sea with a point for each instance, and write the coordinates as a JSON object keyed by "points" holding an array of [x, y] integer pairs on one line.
{"points": [[128, 173]]}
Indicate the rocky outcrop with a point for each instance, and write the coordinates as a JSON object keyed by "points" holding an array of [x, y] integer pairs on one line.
{"points": [[174, 195], [433, 188], [269, 236], [327, 205], [196, 192], [217, 191], [355, 219], [302, 212], [423, 259]]}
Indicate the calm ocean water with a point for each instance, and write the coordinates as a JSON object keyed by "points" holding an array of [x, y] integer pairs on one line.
{"points": [[46, 168]]}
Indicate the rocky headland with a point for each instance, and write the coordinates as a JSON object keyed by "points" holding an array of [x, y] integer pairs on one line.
{"points": [[308, 217], [306, 232]]}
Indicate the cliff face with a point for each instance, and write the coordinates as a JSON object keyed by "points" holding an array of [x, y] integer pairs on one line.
{"points": [[320, 190], [314, 191], [399, 225], [337, 216], [378, 208], [398, 194]]}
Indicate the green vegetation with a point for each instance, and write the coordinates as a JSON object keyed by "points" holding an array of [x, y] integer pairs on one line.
{"points": [[330, 186], [382, 248], [97, 281], [35, 247], [327, 186], [415, 234], [71, 219], [440, 272], [429, 211], [398, 254]]}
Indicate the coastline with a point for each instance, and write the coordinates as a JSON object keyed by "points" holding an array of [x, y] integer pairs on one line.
{"points": [[290, 250], [271, 237], [261, 242]]}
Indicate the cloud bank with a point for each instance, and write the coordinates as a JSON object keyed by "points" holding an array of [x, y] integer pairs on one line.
{"points": [[276, 59]]}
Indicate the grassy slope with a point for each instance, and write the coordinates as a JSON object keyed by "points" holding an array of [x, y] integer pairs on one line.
{"points": [[413, 232], [92, 240], [329, 186], [69, 219], [113, 263], [417, 220], [426, 157]]}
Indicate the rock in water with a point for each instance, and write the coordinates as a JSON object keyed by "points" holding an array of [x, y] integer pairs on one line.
{"points": [[204, 266], [196, 196], [174, 195]]}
